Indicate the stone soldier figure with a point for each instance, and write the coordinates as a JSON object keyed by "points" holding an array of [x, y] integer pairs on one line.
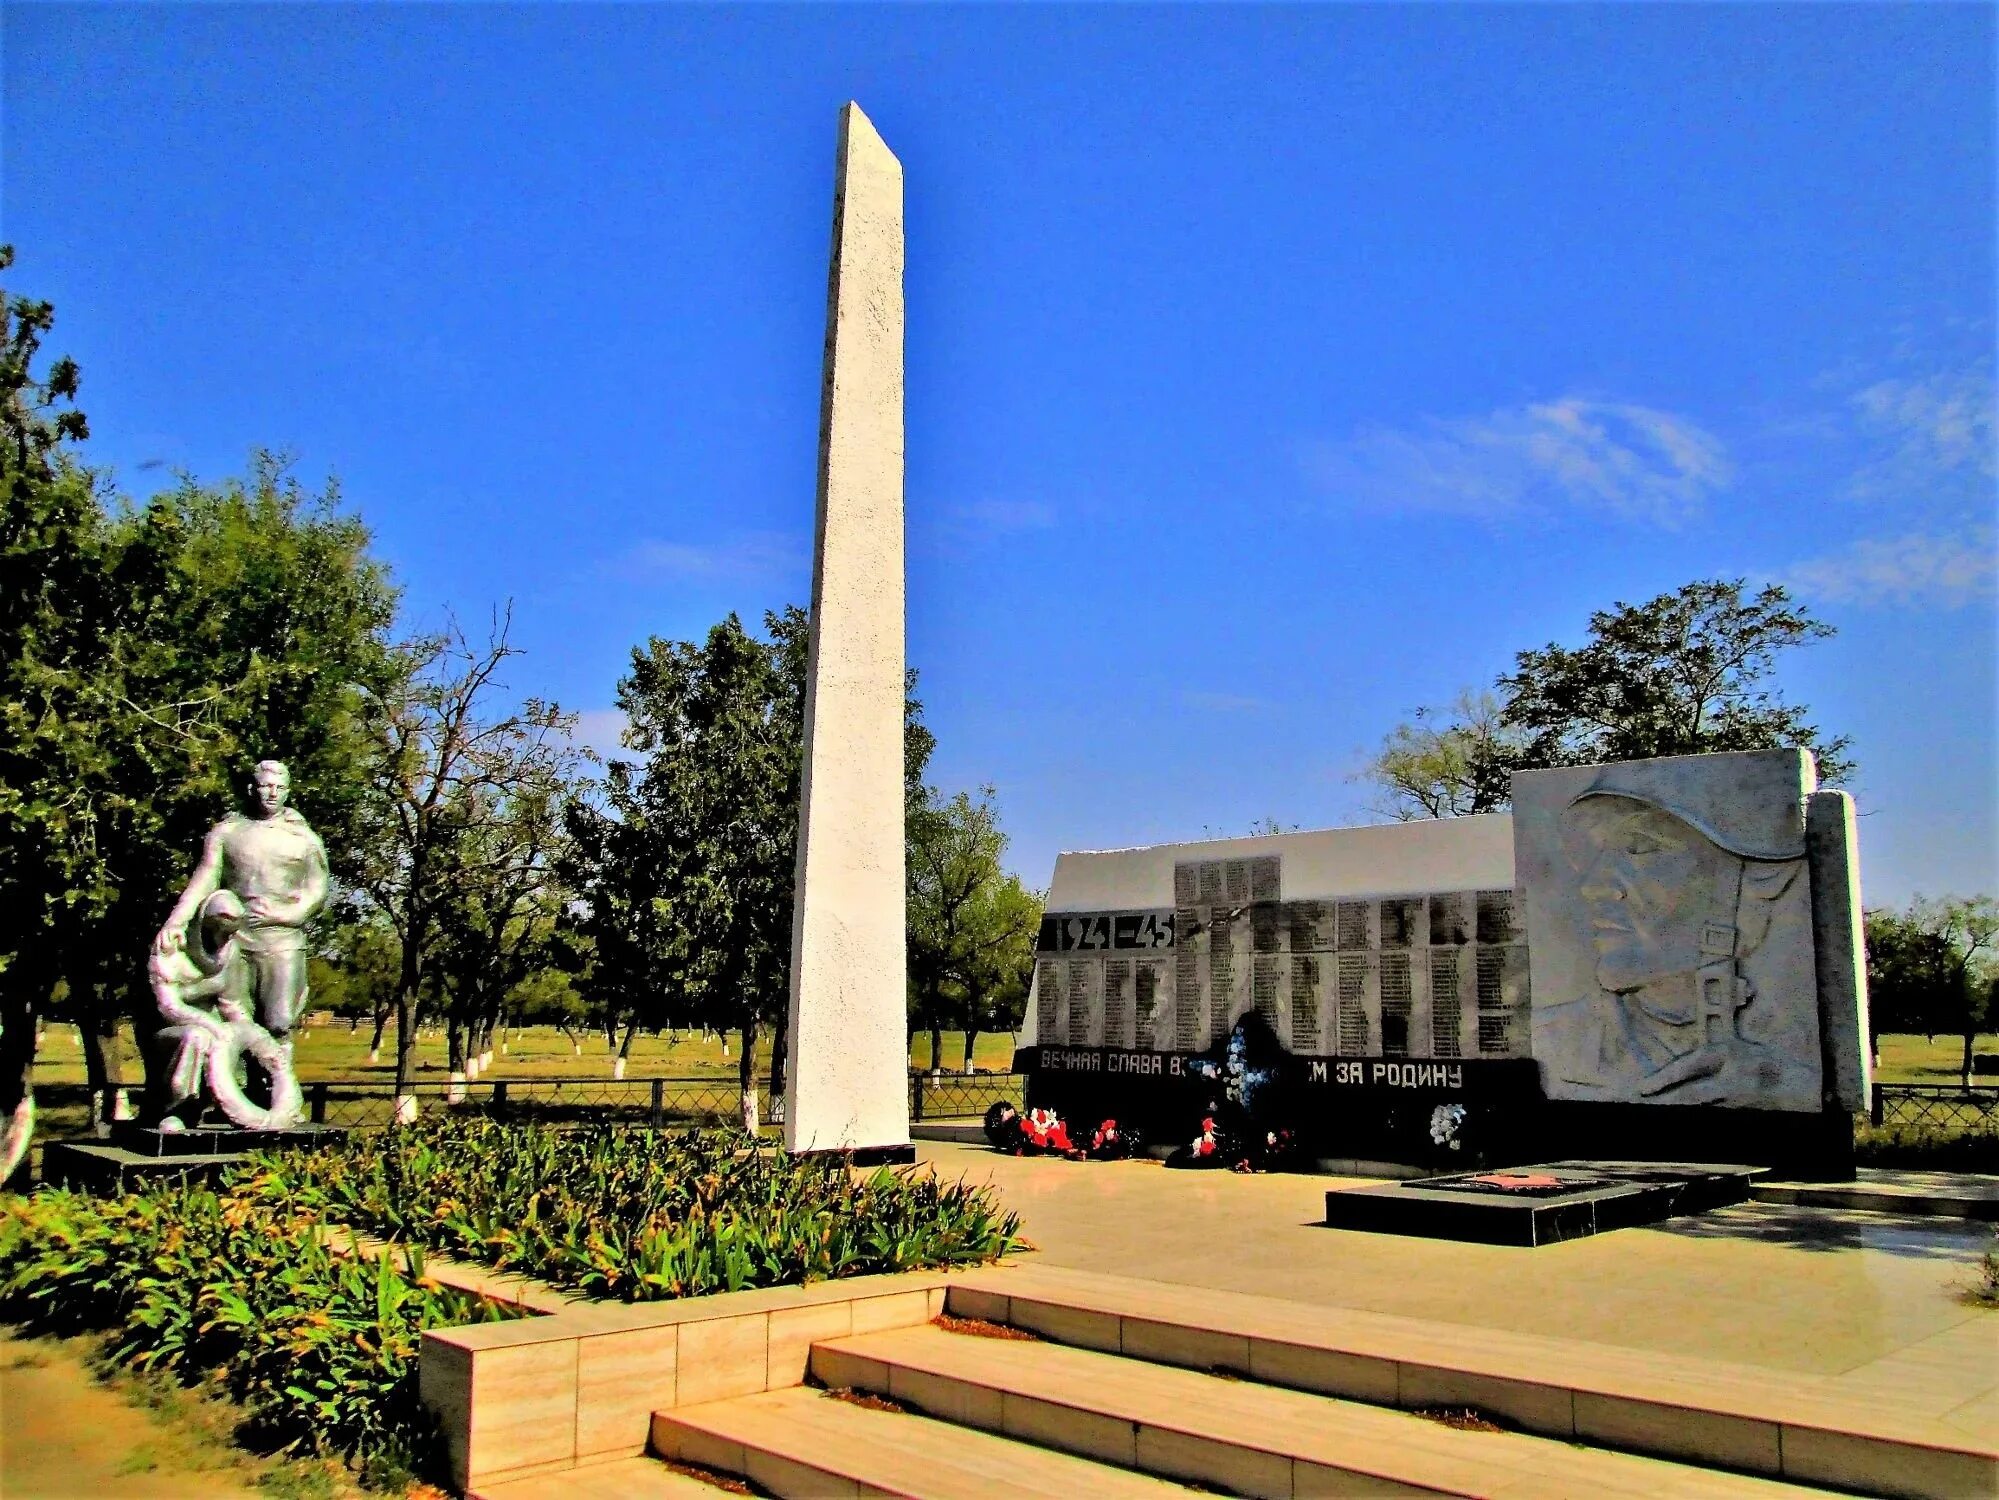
{"points": [[276, 866]]}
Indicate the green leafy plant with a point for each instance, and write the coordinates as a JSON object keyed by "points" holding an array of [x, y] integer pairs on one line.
{"points": [[637, 1216], [318, 1348]]}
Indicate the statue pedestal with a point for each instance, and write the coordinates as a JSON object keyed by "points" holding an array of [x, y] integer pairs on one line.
{"points": [[137, 1155]]}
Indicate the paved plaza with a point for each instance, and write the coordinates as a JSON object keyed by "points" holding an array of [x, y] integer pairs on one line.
{"points": [[1869, 1303]]}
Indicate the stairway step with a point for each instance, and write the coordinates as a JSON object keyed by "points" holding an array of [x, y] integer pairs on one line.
{"points": [[1241, 1435], [1806, 1428], [804, 1442], [620, 1479]]}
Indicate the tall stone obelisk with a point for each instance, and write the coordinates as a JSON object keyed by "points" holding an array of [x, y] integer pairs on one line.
{"points": [[848, 1080]]}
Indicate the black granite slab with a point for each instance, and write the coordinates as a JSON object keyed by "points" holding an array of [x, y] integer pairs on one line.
{"points": [[213, 1140], [1551, 1202]]}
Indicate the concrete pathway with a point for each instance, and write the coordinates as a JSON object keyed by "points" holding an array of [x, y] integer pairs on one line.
{"points": [[1872, 1299]]}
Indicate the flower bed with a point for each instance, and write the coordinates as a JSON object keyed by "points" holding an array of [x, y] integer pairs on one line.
{"points": [[222, 1285], [636, 1216], [245, 1283]]}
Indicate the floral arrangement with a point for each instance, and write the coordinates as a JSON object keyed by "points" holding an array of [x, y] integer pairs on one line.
{"points": [[1446, 1124]]}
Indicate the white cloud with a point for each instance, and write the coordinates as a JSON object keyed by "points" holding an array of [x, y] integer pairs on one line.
{"points": [[758, 554], [1912, 571], [1931, 431], [599, 729], [1634, 462]]}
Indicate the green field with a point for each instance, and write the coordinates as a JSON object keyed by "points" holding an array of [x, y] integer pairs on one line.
{"points": [[1912, 1059], [333, 1051]]}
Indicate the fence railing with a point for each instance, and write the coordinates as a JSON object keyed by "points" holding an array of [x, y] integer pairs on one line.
{"points": [[960, 1096], [367, 1103], [1945, 1105], [657, 1102]]}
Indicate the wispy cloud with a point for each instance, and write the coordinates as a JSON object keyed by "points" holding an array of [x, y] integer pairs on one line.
{"points": [[1224, 703], [1634, 462], [599, 729], [1936, 428], [759, 554], [1915, 571]]}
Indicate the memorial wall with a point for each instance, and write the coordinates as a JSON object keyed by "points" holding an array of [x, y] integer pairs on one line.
{"points": [[1672, 932]]}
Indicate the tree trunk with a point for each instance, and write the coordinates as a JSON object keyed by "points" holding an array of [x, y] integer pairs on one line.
{"points": [[780, 1047], [1970, 1036], [99, 1033], [19, 1025], [746, 1065], [381, 1025], [971, 1036], [936, 1048]]}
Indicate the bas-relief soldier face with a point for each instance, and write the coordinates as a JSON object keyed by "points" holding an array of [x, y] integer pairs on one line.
{"points": [[1647, 882], [268, 791]]}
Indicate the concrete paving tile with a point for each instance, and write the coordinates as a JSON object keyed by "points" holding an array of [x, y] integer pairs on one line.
{"points": [[1091, 1434], [1644, 1427], [1195, 1348], [1228, 1466], [1546, 1409], [1326, 1371], [1816, 1456], [523, 1408], [947, 1398], [794, 1330], [621, 1380], [722, 1357]]}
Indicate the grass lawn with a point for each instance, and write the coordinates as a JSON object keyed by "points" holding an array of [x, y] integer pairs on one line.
{"points": [[333, 1051], [1912, 1059]]}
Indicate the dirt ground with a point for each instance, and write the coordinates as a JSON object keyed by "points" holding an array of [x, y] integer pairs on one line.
{"points": [[67, 1435]]}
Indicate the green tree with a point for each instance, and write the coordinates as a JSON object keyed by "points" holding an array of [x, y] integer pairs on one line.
{"points": [[1908, 969], [684, 867], [970, 930], [151, 654], [449, 769], [1684, 673], [354, 972], [998, 974], [1448, 764], [53, 882], [1933, 967]]}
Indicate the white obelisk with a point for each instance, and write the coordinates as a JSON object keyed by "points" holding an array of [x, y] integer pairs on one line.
{"points": [[847, 1084]]}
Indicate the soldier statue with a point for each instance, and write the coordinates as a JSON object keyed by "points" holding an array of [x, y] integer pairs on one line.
{"points": [[274, 866]]}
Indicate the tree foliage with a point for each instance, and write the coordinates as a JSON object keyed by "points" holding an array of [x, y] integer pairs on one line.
{"points": [[1449, 764], [685, 866], [460, 820], [149, 654], [971, 924], [1932, 968], [1685, 673]]}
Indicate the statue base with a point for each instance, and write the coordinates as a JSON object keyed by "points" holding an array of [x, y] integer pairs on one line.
{"points": [[135, 1156], [219, 1140]]}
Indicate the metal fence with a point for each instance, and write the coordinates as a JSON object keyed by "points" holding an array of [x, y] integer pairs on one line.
{"points": [[363, 1104], [960, 1096], [657, 1102], [1945, 1106], [366, 1103]]}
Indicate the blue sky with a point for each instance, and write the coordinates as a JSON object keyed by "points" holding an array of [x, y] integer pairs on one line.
{"points": [[1272, 372]]}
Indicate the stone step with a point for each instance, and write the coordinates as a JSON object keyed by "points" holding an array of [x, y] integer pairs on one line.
{"points": [[806, 1443], [1242, 1436], [620, 1479], [1758, 1420]]}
